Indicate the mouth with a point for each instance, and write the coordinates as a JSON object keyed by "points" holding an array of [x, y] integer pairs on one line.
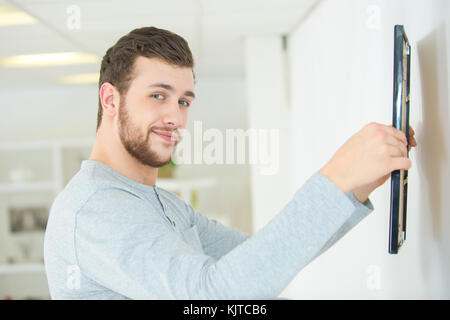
{"points": [[166, 135]]}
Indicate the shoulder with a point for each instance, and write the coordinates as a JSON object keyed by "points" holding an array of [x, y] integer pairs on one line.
{"points": [[114, 204], [92, 184]]}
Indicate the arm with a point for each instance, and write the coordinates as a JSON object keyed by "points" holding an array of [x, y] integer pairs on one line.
{"points": [[216, 239], [143, 258], [362, 210]]}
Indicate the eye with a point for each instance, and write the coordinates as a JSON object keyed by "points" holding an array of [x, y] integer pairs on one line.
{"points": [[184, 103], [157, 96]]}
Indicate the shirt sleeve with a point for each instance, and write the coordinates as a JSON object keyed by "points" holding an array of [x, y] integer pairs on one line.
{"points": [[360, 212], [216, 238], [134, 252]]}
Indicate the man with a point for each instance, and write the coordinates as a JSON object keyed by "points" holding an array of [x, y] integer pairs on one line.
{"points": [[113, 234]]}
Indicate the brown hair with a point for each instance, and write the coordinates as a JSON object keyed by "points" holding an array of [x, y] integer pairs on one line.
{"points": [[117, 64]]}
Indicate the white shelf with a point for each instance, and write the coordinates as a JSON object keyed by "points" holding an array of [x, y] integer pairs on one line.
{"points": [[56, 149], [185, 186], [26, 268]]}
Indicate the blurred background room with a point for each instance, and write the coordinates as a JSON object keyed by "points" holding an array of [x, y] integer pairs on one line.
{"points": [[316, 71]]}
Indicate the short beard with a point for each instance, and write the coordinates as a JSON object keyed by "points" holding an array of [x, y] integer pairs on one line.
{"points": [[135, 143]]}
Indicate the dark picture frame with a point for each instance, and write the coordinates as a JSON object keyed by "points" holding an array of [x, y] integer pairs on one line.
{"points": [[400, 120]]}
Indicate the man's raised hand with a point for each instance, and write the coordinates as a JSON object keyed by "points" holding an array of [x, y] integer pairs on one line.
{"points": [[367, 157]]}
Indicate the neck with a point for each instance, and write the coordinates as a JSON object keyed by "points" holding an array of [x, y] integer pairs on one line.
{"points": [[112, 153]]}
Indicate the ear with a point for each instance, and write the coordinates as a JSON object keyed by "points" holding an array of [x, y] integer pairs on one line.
{"points": [[110, 99]]}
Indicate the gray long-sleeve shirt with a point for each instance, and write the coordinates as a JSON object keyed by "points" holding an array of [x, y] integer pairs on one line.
{"points": [[109, 237]]}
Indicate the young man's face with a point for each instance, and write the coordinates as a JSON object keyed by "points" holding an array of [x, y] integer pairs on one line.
{"points": [[157, 100]]}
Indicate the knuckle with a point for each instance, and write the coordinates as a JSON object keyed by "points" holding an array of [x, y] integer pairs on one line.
{"points": [[402, 134], [384, 149], [380, 134], [371, 125]]}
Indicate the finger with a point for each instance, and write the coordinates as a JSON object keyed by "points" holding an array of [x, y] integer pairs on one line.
{"points": [[412, 143], [395, 132], [397, 151], [412, 140], [395, 143], [400, 164]]}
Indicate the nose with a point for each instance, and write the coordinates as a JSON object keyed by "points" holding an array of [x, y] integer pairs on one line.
{"points": [[172, 115]]}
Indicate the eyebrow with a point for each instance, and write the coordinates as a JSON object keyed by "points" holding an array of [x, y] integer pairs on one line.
{"points": [[170, 88]]}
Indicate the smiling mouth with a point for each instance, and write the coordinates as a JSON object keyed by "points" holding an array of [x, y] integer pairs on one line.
{"points": [[167, 136]]}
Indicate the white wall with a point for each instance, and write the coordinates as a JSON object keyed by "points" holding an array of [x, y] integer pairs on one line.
{"points": [[342, 64], [48, 112], [268, 109]]}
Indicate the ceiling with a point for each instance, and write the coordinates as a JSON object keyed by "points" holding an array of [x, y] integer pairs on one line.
{"points": [[215, 30]]}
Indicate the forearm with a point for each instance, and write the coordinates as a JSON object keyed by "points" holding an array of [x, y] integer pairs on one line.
{"points": [[362, 193]]}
